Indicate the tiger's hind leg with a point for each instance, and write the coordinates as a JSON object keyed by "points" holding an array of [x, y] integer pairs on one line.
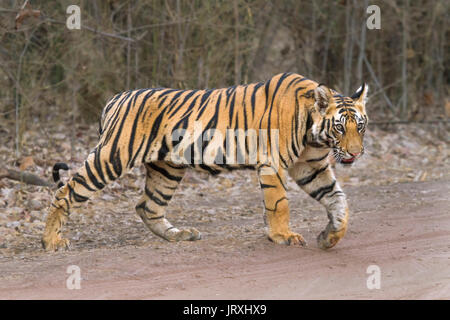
{"points": [[161, 182], [91, 177]]}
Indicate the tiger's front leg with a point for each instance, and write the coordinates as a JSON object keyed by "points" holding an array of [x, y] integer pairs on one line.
{"points": [[318, 180], [276, 206]]}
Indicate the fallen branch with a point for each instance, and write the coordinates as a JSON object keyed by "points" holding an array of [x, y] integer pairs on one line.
{"points": [[25, 177]]}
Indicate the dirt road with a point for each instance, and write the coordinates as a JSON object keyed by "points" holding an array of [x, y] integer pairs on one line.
{"points": [[404, 229]]}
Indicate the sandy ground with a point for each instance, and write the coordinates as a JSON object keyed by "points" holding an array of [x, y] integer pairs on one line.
{"points": [[400, 221], [403, 228]]}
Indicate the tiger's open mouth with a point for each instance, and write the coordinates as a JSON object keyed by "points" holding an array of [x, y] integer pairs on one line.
{"points": [[348, 161]]}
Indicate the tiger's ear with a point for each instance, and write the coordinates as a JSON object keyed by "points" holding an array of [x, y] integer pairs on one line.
{"points": [[323, 96], [360, 96]]}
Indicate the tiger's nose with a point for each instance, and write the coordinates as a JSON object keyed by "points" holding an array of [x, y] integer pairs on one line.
{"points": [[355, 154]]}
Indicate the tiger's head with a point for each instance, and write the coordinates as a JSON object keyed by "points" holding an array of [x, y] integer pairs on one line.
{"points": [[343, 122]]}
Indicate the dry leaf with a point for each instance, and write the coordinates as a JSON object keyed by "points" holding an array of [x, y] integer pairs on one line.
{"points": [[26, 162], [410, 53], [424, 176], [25, 12]]}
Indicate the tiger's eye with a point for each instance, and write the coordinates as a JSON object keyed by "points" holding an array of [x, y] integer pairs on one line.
{"points": [[340, 127]]}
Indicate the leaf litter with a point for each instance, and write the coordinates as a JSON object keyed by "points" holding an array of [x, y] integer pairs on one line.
{"points": [[230, 201]]}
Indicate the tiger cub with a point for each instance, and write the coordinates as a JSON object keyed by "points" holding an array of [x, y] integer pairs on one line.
{"points": [[285, 126]]}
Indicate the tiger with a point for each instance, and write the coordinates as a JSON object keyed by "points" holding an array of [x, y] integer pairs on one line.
{"points": [[298, 124]]}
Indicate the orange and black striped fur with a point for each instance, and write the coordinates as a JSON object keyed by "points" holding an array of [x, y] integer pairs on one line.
{"points": [[296, 121]]}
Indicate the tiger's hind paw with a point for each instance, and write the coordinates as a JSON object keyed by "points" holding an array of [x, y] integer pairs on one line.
{"points": [[55, 243], [188, 234]]}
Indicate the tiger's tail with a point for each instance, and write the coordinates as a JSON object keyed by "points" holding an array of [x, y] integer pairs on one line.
{"points": [[55, 173]]}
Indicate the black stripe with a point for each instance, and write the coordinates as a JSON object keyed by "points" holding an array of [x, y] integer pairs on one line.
{"points": [[296, 130], [152, 212], [115, 117], [283, 161], [266, 186], [166, 92], [309, 122], [281, 180], [175, 166], [109, 173], [295, 79], [209, 169], [154, 199], [304, 140], [319, 193], [308, 94], [133, 160], [318, 159], [154, 132], [163, 150], [116, 162], [65, 201], [111, 102], [81, 180], [204, 103], [134, 128], [253, 100], [76, 196], [98, 166], [115, 158], [91, 176], [322, 126], [335, 193], [293, 136], [166, 197], [229, 92], [311, 177], [186, 98], [164, 172], [276, 204], [232, 103], [175, 97]]}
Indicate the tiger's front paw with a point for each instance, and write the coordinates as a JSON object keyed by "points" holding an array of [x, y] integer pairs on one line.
{"points": [[288, 238], [54, 243], [328, 239]]}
